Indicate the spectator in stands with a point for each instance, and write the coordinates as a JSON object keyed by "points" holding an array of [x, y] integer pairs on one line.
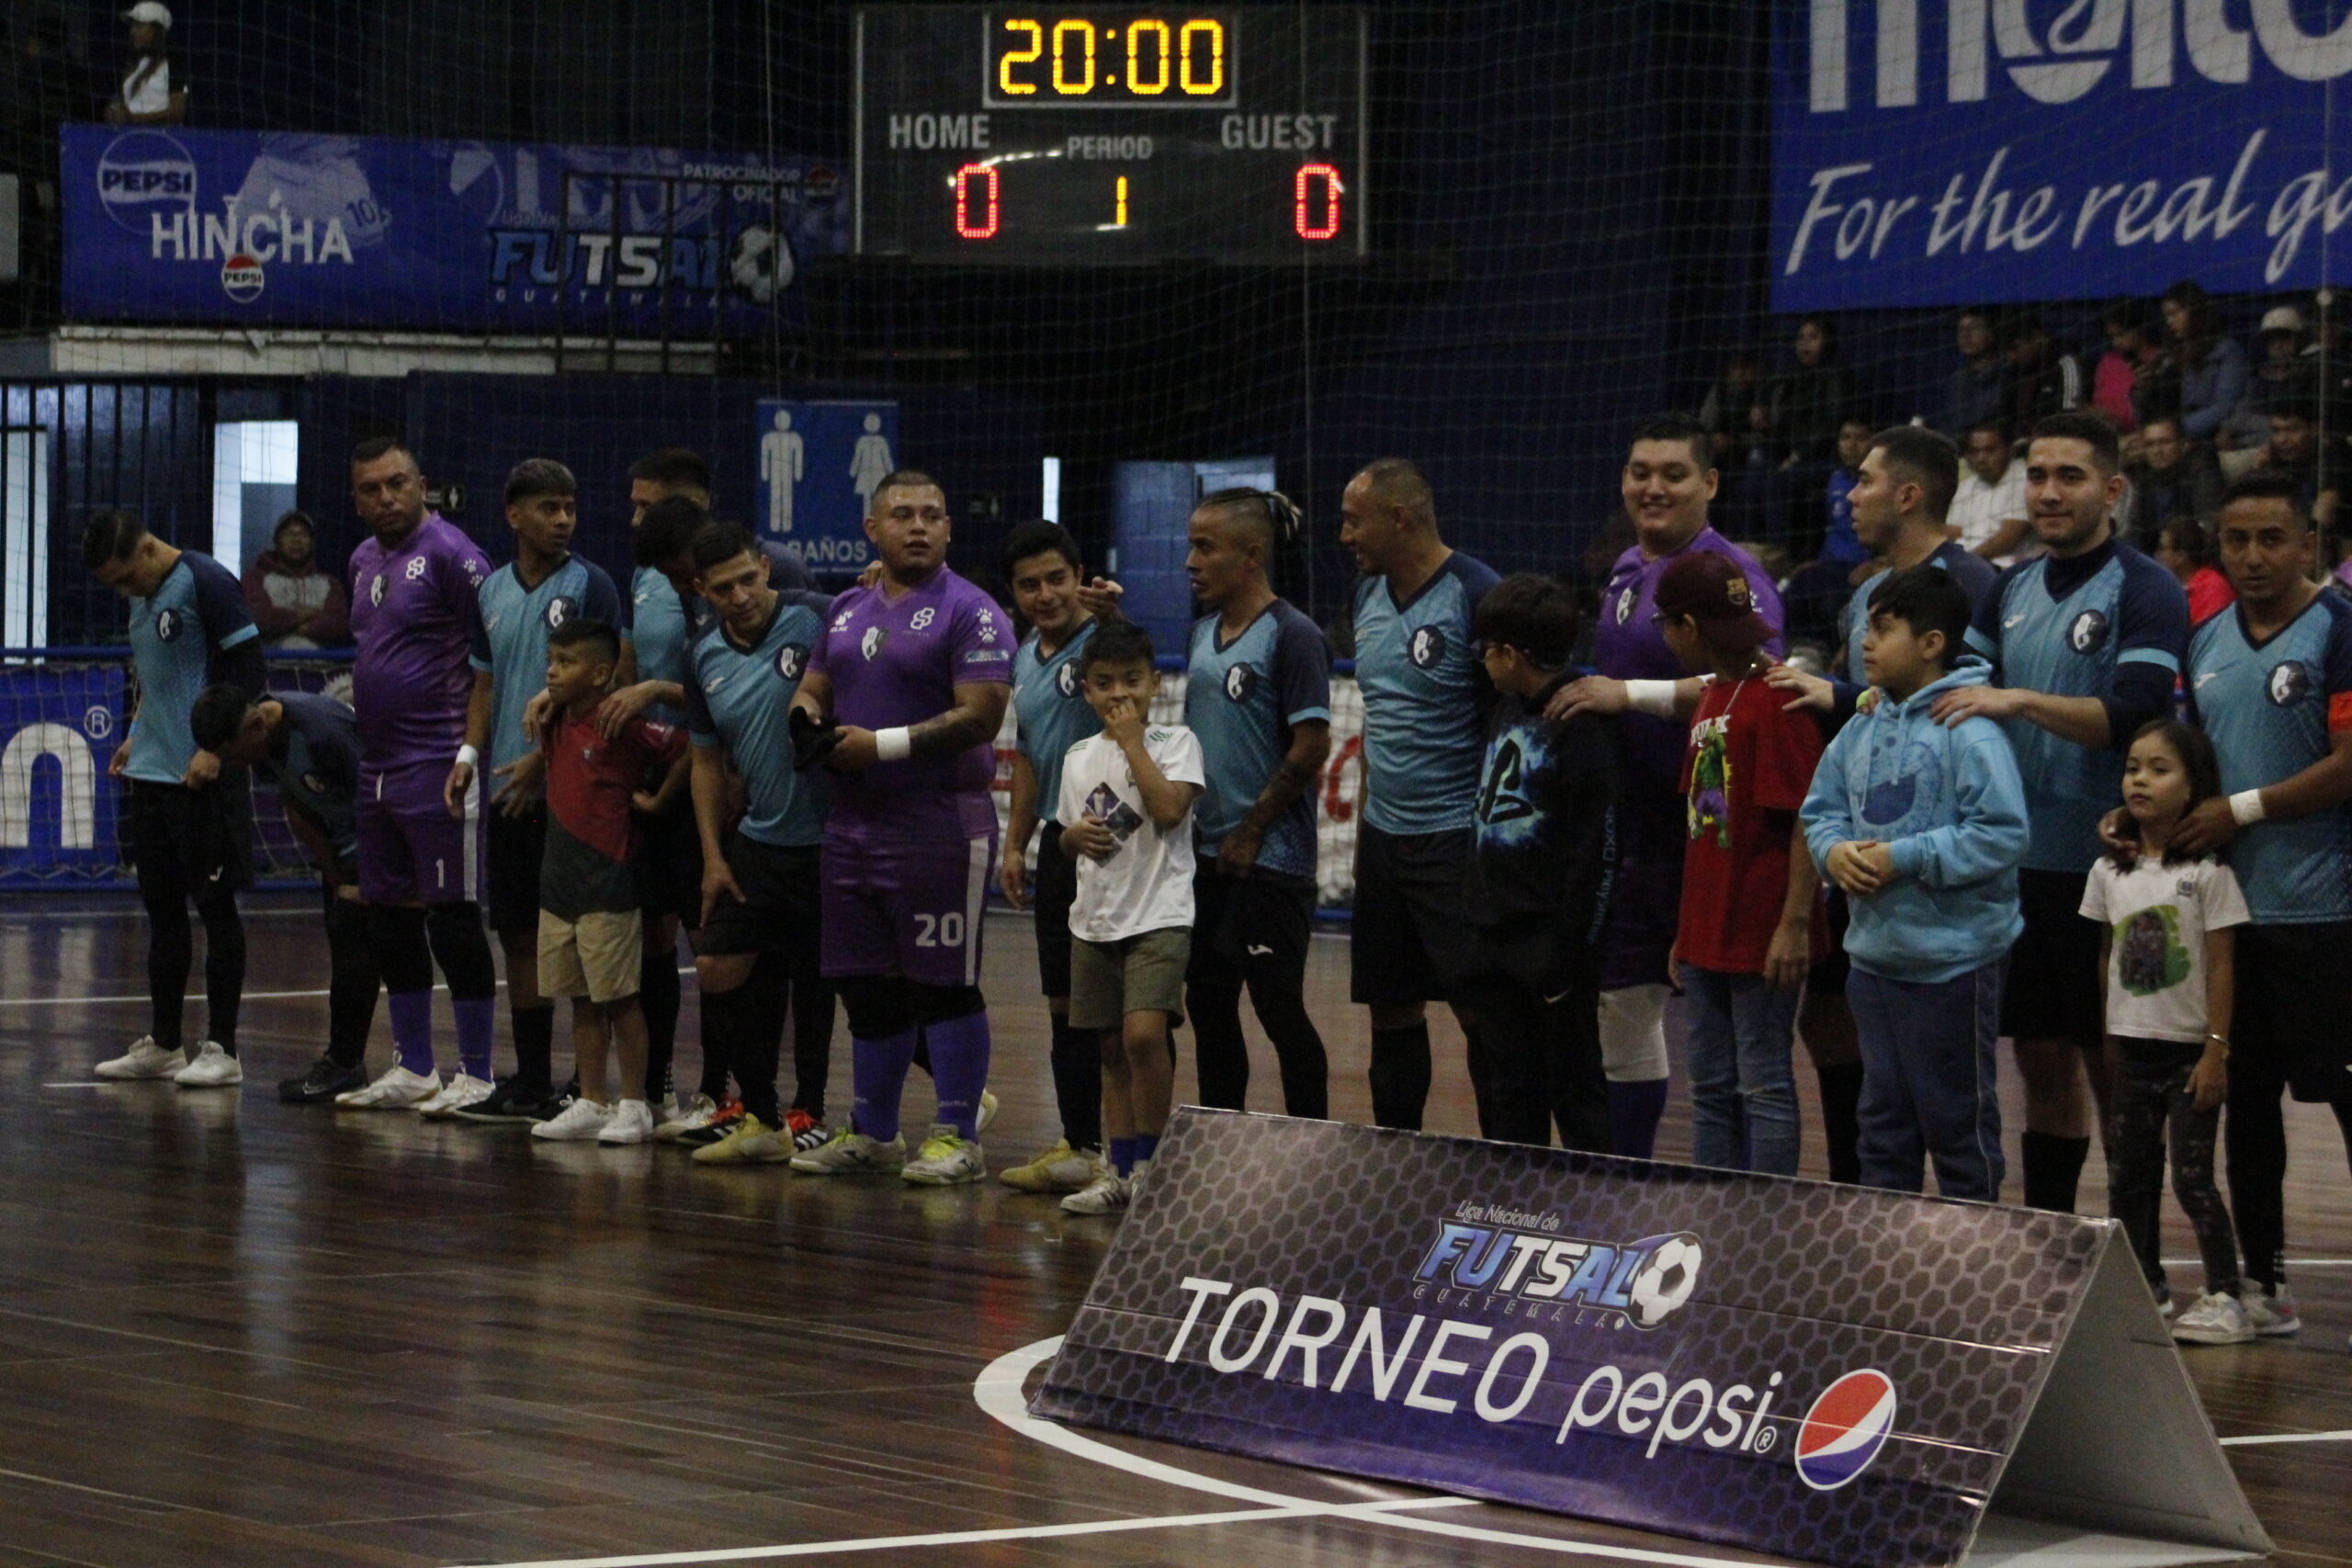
{"points": [[2172, 479], [1989, 511], [2315, 465], [2211, 365], [38, 91], [1814, 592], [2043, 380], [296, 603], [2282, 380], [1804, 403], [2184, 547], [2130, 348], [151, 92], [1974, 392], [2330, 356], [1733, 412]]}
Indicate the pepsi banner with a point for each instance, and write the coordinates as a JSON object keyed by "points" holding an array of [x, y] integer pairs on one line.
{"points": [[1791, 1367], [1959, 152], [274, 229], [59, 728]]}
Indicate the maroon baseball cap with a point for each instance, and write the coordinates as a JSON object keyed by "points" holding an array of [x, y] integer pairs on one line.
{"points": [[1712, 590]]}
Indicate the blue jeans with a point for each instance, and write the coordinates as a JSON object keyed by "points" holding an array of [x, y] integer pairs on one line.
{"points": [[1740, 1034], [1928, 1081]]}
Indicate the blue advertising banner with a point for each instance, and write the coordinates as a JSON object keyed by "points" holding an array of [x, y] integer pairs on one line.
{"points": [[272, 229], [1954, 152], [819, 462], [1826, 1373], [58, 729]]}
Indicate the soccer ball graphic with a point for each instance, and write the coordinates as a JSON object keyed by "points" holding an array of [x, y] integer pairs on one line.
{"points": [[1667, 1279], [762, 265]]}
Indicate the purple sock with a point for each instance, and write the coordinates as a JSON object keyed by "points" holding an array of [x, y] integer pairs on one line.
{"points": [[1635, 1107], [878, 1074], [476, 1016], [959, 1070], [1147, 1146], [1123, 1155], [412, 1030]]}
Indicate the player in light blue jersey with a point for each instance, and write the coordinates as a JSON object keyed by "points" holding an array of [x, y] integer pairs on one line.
{"points": [[1259, 697], [188, 820], [2270, 681], [2085, 643], [542, 588], [1050, 716], [1426, 698]]}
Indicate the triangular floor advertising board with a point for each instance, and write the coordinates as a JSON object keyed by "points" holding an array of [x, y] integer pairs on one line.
{"points": [[1816, 1372]]}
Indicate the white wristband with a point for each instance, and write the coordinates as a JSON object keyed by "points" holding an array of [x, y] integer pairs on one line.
{"points": [[1655, 698], [893, 745], [2246, 808], [468, 757]]}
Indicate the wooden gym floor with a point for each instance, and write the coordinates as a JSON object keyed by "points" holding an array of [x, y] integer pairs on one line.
{"points": [[234, 1332]]}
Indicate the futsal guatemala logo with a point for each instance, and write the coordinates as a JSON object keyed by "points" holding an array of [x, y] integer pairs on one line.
{"points": [[1845, 1428]]}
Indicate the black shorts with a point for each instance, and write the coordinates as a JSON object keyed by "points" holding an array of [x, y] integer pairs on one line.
{"points": [[1827, 978], [1248, 922], [780, 910], [1406, 934], [1056, 888], [2054, 988], [518, 847], [190, 841], [668, 866], [2293, 1018]]}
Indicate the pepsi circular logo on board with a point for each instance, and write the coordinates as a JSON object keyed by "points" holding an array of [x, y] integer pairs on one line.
{"points": [[242, 278], [1845, 1428]]}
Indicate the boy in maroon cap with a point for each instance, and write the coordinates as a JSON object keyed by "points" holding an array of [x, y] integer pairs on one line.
{"points": [[1746, 935]]}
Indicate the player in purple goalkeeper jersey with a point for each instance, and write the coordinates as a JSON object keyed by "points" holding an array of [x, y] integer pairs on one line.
{"points": [[412, 590], [916, 671]]}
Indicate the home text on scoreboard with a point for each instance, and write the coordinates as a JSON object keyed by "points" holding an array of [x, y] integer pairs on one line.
{"points": [[1047, 137]]}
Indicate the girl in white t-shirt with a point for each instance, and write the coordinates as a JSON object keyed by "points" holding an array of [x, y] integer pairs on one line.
{"points": [[2165, 955]]}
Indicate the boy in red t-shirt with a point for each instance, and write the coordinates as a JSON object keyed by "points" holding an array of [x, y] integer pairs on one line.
{"points": [[1745, 937], [591, 934]]}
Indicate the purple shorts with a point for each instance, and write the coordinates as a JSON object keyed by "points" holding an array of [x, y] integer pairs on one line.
{"points": [[908, 907], [413, 853]]}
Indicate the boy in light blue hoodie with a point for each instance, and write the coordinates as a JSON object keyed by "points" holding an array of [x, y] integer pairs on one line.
{"points": [[1924, 827]]}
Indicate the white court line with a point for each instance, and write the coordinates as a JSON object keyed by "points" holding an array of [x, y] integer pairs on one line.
{"points": [[2296, 1262], [973, 1537], [997, 1392], [2343, 1437]]}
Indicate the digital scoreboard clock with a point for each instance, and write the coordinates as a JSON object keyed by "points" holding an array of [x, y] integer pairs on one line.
{"points": [[1011, 137]]}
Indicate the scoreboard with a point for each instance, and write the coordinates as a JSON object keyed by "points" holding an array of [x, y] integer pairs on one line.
{"points": [[1008, 136]]}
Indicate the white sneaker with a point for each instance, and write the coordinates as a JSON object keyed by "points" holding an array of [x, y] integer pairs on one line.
{"points": [[630, 1123], [2273, 1317], [1108, 1193], [1134, 1179], [987, 1113], [853, 1154], [145, 1059], [213, 1069], [2216, 1319], [397, 1090], [945, 1159], [697, 1114], [665, 1111], [582, 1120], [460, 1092]]}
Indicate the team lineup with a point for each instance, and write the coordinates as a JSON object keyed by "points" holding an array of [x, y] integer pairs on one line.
{"points": [[2030, 804]]}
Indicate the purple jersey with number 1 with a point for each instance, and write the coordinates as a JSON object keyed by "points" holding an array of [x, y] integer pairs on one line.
{"points": [[412, 610], [896, 662]]}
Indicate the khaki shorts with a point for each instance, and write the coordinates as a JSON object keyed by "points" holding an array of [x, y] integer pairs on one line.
{"points": [[597, 956], [1109, 980]]}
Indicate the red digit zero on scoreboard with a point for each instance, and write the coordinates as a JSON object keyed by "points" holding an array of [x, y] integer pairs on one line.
{"points": [[1011, 136]]}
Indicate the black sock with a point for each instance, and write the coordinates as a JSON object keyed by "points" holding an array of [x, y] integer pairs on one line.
{"points": [[1400, 1075], [2053, 1169], [353, 982], [225, 967], [1078, 1084], [535, 1047], [732, 1027], [658, 993], [812, 1043], [1841, 1126]]}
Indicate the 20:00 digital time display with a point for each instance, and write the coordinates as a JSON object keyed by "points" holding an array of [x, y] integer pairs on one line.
{"points": [[1015, 137]]}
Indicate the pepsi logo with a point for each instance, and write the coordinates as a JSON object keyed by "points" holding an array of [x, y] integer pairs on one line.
{"points": [[241, 278], [1845, 1428], [145, 177]]}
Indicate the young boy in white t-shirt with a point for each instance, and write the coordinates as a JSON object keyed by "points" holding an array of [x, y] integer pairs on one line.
{"points": [[1126, 803]]}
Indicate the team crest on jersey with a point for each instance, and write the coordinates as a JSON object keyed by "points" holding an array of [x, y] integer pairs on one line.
{"points": [[168, 626], [871, 644], [2290, 682], [559, 610], [790, 660], [2089, 634], [921, 620], [1427, 646], [1066, 680], [1239, 682], [314, 784], [1625, 604], [375, 590], [415, 567]]}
